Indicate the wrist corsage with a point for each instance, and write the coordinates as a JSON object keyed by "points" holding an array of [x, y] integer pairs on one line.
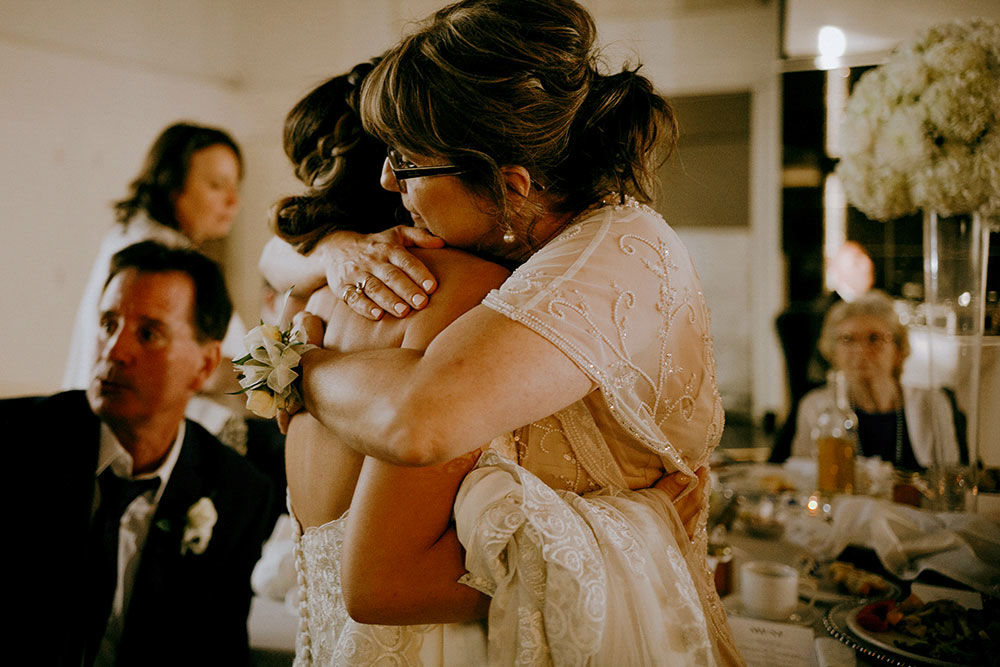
{"points": [[267, 371]]}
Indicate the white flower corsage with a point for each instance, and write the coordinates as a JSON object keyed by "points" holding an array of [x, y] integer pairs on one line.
{"points": [[201, 518], [267, 371]]}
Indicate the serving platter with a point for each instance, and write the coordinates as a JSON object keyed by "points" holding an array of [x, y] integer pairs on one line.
{"points": [[841, 622]]}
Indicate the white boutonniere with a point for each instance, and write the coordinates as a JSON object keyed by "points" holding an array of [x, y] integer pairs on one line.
{"points": [[201, 518], [267, 371]]}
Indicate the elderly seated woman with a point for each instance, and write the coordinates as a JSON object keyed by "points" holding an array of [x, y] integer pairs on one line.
{"points": [[866, 341]]}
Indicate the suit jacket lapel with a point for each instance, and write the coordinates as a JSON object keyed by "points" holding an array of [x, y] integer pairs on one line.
{"points": [[185, 487], [159, 567]]}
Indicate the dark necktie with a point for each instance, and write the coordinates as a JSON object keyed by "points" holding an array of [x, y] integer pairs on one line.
{"points": [[102, 552]]}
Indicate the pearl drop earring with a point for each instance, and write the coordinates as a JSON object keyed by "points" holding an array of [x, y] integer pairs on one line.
{"points": [[508, 234]]}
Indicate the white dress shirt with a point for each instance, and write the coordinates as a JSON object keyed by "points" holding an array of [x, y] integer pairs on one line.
{"points": [[135, 524]]}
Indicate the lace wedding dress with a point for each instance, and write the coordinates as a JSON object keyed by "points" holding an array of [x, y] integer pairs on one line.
{"points": [[584, 564], [328, 636]]}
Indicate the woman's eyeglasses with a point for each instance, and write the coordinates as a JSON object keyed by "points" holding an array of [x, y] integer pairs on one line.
{"points": [[403, 169], [871, 339]]}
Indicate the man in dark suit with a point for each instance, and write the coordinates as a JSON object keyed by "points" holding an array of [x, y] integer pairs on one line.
{"points": [[143, 529]]}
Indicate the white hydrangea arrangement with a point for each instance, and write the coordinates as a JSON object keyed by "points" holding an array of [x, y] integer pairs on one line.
{"points": [[267, 372], [922, 131]]}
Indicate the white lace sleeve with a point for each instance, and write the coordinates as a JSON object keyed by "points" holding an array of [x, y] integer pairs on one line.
{"points": [[617, 293], [577, 580]]}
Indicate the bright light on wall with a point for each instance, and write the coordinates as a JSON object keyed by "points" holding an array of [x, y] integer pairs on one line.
{"points": [[831, 43]]}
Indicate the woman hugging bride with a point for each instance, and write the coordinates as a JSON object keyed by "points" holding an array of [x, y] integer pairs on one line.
{"points": [[514, 450]]}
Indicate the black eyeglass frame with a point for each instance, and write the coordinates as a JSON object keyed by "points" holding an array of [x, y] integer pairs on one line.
{"points": [[401, 173]]}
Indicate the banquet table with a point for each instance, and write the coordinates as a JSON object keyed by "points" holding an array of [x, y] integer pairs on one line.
{"points": [[273, 621], [864, 536], [747, 548]]}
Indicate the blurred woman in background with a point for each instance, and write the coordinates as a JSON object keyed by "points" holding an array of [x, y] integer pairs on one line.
{"points": [[865, 339]]}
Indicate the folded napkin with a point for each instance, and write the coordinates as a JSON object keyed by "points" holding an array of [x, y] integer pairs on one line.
{"points": [[964, 547], [831, 653]]}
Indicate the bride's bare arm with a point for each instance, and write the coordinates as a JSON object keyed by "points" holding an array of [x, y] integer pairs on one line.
{"points": [[322, 472], [402, 558]]}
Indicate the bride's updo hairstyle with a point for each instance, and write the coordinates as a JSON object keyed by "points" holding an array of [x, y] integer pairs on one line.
{"points": [[492, 83], [338, 161]]}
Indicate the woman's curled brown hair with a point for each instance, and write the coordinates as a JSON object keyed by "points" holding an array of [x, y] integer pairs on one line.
{"points": [[493, 83]]}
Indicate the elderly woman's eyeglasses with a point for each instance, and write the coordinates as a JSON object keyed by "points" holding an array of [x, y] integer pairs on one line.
{"points": [[871, 339], [403, 169]]}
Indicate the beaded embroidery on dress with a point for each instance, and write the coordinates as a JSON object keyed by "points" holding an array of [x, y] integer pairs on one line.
{"points": [[617, 292], [322, 614]]}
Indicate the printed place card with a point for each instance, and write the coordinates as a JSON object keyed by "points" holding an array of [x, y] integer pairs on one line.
{"points": [[772, 644]]}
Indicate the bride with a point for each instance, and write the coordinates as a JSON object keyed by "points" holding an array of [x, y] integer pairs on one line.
{"points": [[589, 371], [338, 160]]}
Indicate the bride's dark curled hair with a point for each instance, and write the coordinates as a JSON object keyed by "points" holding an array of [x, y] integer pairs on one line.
{"points": [[491, 83], [338, 161]]}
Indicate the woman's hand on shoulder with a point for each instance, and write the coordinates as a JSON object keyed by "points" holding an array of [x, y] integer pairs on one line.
{"points": [[375, 273]]}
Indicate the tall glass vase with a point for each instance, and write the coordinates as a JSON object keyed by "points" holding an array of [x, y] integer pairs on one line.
{"points": [[956, 252]]}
